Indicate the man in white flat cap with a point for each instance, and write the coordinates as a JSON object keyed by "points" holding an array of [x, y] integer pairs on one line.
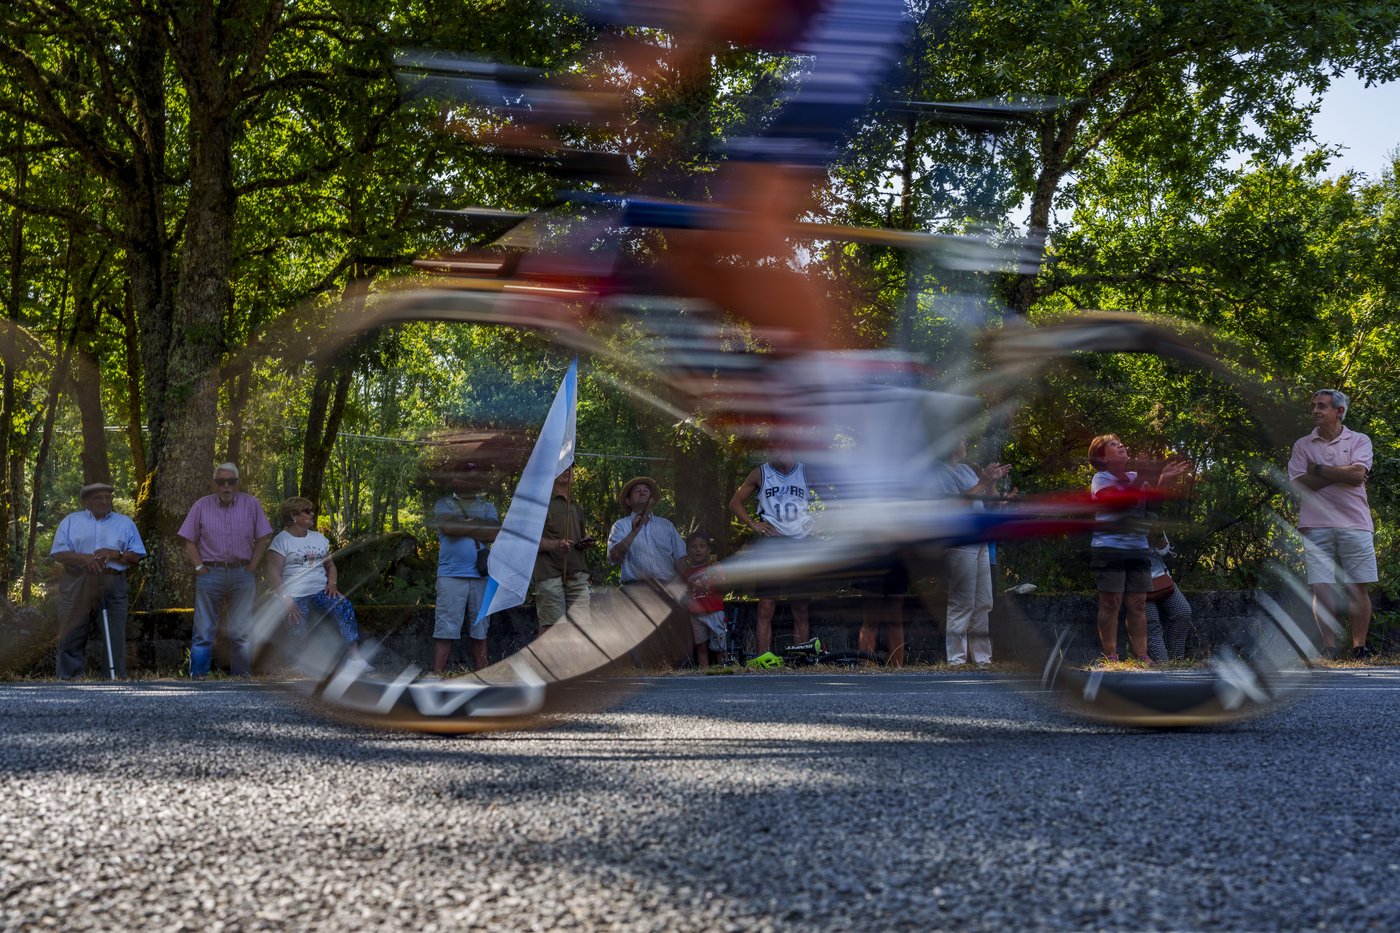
{"points": [[96, 547]]}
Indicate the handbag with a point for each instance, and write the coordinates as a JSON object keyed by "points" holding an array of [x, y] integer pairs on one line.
{"points": [[1162, 587]]}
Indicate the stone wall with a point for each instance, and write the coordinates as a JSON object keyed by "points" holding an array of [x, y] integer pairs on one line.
{"points": [[1022, 628]]}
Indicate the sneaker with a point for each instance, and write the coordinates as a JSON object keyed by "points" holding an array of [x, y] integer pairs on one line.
{"points": [[1362, 653]]}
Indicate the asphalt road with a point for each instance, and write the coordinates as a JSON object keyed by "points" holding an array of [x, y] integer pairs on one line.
{"points": [[917, 801]]}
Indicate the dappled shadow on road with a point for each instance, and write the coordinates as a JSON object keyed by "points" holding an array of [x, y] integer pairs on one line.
{"points": [[834, 807], [213, 730]]}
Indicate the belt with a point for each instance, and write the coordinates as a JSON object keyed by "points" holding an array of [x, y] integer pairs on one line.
{"points": [[105, 571], [227, 564]]}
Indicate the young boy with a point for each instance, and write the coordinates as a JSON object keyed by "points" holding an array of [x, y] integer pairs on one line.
{"points": [[707, 625]]}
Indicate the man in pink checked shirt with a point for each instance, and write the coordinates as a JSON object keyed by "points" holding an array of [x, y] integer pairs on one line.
{"points": [[1329, 468], [226, 535]]}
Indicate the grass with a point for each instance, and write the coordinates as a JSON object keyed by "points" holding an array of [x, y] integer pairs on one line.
{"points": [[661, 670]]}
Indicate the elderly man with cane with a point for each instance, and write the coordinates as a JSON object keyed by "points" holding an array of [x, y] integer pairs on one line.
{"points": [[96, 547]]}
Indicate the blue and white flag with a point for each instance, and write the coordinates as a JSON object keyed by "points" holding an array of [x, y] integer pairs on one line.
{"points": [[513, 555]]}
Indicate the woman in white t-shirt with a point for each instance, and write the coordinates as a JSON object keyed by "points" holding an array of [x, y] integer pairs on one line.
{"points": [[301, 572]]}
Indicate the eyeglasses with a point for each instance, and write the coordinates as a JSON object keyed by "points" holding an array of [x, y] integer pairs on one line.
{"points": [[304, 512], [226, 481]]}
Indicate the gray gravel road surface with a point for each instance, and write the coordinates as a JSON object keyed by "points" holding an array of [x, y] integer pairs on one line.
{"points": [[915, 801]]}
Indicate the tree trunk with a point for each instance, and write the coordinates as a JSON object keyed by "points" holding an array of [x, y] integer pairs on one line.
{"points": [[911, 260], [10, 361], [237, 406], [45, 441], [87, 393], [182, 453], [149, 281], [131, 341], [1056, 138], [219, 57], [328, 397], [7, 493], [87, 386], [698, 489]]}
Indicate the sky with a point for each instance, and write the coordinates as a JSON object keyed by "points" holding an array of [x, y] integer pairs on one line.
{"points": [[1365, 120]]}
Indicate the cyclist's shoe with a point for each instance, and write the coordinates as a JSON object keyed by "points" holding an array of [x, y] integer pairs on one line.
{"points": [[1362, 653]]}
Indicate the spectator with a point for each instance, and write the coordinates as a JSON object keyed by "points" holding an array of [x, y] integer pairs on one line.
{"points": [[969, 565], [1329, 468], [780, 485], [302, 574], [1168, 612], [1120, 558], [647, 546], [561, 570], [96, 547], [467, 522], [882, 609], [226, 535], [707, 624]]}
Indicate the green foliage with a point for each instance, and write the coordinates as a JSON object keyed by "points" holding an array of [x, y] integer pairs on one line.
{"points": [[332, 171]]}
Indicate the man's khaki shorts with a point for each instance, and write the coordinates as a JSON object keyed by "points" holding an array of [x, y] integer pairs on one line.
{"points": [[1339, 555]]}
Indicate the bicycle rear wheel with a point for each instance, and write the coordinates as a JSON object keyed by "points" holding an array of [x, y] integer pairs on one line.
{"points": [[1085, 376]]}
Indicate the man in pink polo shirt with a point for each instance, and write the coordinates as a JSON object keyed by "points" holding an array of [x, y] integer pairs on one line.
{"points": [[226, 535], [1329, 468]]}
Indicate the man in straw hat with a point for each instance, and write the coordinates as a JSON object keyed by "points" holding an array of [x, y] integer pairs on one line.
{"points": [[96, 547], [647, 546]]}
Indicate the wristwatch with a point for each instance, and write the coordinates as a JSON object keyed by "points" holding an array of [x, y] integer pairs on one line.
{"points": [[199, 568]]}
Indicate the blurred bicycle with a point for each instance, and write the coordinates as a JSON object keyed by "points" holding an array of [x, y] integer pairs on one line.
{"points": [[720, 327]]}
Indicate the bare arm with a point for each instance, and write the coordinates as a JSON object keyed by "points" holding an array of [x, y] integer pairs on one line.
{"points": [[479, 528], [331, 576], [259, 549], [1320, 476], [275, 563], [88, 563], [192, 555], [1174, 474], [988, 478], [739, 505], [620, 549]]}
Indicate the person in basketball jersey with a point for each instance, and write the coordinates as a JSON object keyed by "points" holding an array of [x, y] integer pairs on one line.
{"points": [[780, 486]]}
